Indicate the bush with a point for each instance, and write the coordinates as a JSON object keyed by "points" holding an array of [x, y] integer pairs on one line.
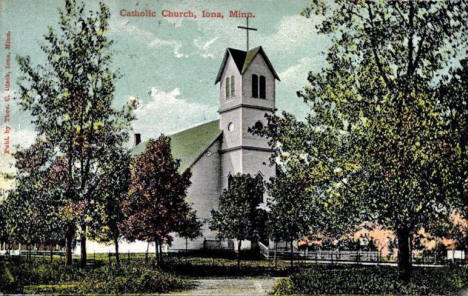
{"points": [[35, 277], [372, 280], [221, 267]]}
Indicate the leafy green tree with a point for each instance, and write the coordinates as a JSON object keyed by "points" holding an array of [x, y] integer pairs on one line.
{"points": [[190, 228], [106, 220], [453, 94], [376, 133], [35, 212], [384, 60], [238, 204], [70, 99], [3, 229], [156, 204], [290, 211], [303, 197]]}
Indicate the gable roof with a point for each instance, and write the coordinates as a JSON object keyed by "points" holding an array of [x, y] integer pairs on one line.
{"points": [[243, 59], [188, 145]]}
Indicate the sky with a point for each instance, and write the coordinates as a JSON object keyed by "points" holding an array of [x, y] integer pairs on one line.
{"points": [[170, 64]]}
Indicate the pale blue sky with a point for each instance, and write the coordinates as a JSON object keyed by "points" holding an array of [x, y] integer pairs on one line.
{"points": [[171, 64]]}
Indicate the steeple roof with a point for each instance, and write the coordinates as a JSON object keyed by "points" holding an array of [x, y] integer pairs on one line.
{"points": [[243, 59]]}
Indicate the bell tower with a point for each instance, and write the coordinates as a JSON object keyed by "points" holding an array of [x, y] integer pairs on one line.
{"points": [[246, 93]]}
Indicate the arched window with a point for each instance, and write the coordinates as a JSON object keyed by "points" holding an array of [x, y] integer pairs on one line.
{"points": [[233, 87], [227, 87], [254, 86], [262, 87]]}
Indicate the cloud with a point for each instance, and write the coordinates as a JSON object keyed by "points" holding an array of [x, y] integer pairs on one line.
{"points": [[146, 37], [167, 113], [206, 45], [294, 78], [203, 47], [156, 42], [296, 75], [293, 31]]}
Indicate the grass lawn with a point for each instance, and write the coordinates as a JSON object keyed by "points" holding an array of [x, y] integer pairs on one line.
{"points": [[372, 280], [37, 276], [179, 270]]}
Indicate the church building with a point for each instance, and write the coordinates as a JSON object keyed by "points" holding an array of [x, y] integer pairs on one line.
{"points": [[218, 148]]}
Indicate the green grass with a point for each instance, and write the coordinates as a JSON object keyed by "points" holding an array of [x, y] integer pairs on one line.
{"points": [[19, 276], [178, 271], [375, 280]]}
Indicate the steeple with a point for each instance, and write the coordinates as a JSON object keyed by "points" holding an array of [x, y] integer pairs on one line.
{"points": [[246, 93]]}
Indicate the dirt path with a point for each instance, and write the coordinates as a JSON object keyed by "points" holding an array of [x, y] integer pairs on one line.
{"points": [[235, 286]]}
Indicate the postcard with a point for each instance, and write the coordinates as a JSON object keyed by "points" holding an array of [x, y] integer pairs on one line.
{"points": [[215, 147]]}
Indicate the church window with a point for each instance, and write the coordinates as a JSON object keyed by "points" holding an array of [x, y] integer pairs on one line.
{"points": [[227, 87], [230, 126], [254, 86], [262, 87], [258, 86], [233, 87]]}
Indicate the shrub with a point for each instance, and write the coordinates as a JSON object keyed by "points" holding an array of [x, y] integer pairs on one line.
{"points": [[372, 280], [35, 277]]}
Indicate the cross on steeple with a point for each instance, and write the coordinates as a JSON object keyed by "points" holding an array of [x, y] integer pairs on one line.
{"points": [[247, 29]]}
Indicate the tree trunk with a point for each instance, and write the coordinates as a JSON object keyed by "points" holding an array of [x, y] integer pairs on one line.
{"points": [[68, 252], [117, 255], [51, 253], [156, 251], [239, 245], [83, 258], [160, 253], [146, 255], [186, 245], [292, 254], [276, 256], [68, 247], [404, 261]]}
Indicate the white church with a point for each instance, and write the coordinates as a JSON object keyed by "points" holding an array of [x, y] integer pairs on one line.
{"points": [[218, 148]]}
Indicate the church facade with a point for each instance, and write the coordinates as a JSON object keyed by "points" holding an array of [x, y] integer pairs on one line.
{"points": [[218, 148]]}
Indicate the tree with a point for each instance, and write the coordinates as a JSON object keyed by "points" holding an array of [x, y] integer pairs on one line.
{"points": [[35, 211], [384, 60], [156, 204], [3, 229], [453, 94], [190, 228], [70, 99], [376, 124], [303, 200], [236, 214], [113, 192], [290, 214]]}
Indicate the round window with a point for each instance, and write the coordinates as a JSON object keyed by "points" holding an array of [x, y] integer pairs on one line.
{"points": [[230, 126]]}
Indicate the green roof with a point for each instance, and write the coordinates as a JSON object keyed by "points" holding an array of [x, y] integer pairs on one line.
{"points": [[250, 55], [189, 144]]}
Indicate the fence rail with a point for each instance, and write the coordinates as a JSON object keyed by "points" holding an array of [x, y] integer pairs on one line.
{"points": [[31, 252]]}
